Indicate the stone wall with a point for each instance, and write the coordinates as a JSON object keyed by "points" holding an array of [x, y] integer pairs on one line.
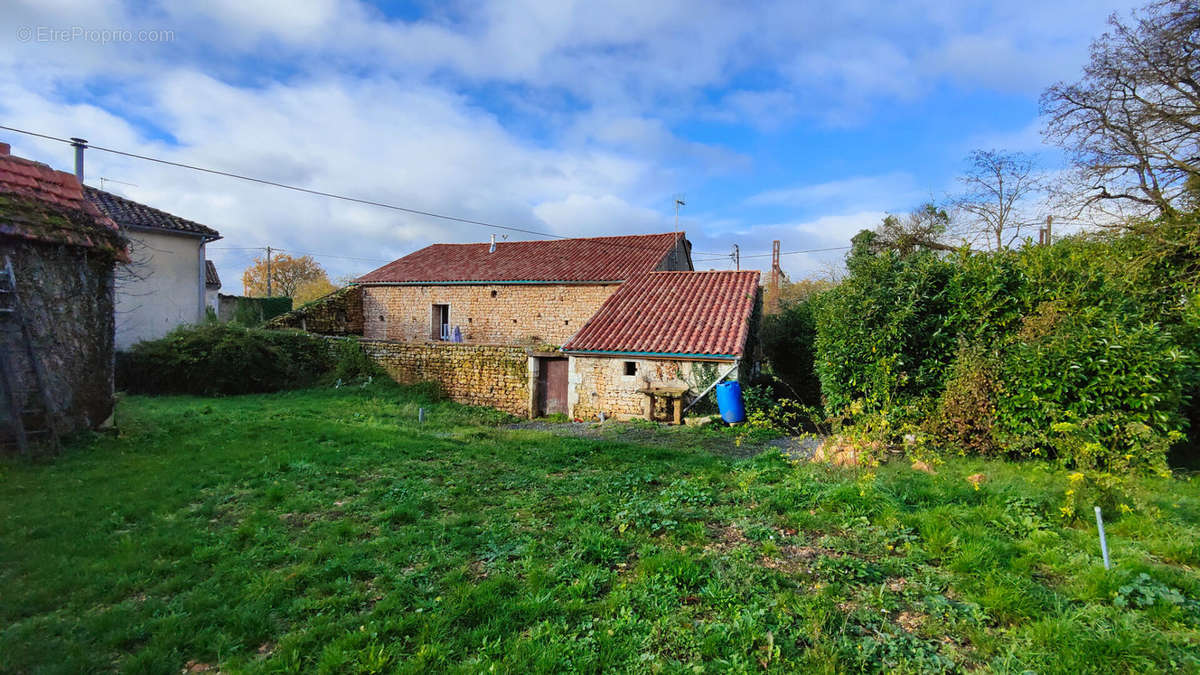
{"points": [[496, 376], [66, 294], [600, 385], [524, 314], [338, 313]]}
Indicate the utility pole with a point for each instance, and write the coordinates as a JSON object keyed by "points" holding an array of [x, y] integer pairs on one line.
{"points": [[268, 271], [773, 290], [737, 258], [1049, 236]]}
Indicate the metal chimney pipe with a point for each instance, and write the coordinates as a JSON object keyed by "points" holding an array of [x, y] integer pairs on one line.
{"points": [[492, 248], [79, 144]]}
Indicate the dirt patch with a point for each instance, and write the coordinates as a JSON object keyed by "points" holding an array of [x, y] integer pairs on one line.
{"points": [[910, 621], [724, 537], [792, 559]]}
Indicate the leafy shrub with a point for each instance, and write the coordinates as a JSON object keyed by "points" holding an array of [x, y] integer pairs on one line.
{"points": [[966, 412], [787, 340], [222, 359], [1075, 351], [257, 311], [353, 363]]}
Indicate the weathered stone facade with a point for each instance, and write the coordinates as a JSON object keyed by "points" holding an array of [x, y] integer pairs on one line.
{"points": [[487, 375], [513, 314], [338, 313], [601, 385], [66, 295]]}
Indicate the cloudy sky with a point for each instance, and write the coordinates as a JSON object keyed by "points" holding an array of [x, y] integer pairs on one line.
{"points": [[797, 121]]}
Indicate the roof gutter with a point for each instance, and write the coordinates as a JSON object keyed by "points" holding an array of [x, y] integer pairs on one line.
{"points": [[166, 230], [662, 355]]}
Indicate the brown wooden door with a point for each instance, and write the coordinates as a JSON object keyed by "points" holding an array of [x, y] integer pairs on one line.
{"points": [[552, 386]]}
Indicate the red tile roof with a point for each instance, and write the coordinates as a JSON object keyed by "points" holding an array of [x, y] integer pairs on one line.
{"points": [[574, 260], [40, 204], [677, 313]]}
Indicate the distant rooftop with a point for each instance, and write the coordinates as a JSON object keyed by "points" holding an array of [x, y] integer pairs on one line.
{"points": [[128, 213]]}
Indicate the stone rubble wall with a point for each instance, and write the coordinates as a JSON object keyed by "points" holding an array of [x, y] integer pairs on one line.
{"points": [[516, 314], [66, 295], [338, 313], [496, 376]]}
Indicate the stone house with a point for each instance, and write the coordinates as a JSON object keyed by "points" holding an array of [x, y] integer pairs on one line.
{"points": [[570, 326], [665, 329], [63, 252], [509, 293], [166, 282]]}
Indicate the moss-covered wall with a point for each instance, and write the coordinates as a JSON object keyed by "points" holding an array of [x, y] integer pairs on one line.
{"points": [[488, 375], [338, 313], [66, 294]]}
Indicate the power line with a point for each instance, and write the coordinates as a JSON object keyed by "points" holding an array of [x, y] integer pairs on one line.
{"points": [[319, 193]]}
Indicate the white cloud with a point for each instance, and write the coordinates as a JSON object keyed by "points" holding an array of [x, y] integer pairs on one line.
{"points": [[891, 191], [553, 115]]}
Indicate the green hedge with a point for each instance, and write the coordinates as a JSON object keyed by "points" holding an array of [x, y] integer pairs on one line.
{"points": [[257, 311], [223, 359], [1083, 351]]}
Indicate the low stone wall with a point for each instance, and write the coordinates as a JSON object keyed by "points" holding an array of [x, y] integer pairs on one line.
{"points": [[496, 376], [338, 313]]}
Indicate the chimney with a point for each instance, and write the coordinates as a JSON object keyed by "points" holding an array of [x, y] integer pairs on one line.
{"points": [[79, 144], [492, 248], [5, 149]]}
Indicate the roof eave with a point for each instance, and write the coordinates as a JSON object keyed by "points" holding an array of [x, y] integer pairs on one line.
{"points": [[682, 356]]}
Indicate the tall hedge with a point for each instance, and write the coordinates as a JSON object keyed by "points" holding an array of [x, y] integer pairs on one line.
{"points": [[1083, 350]]}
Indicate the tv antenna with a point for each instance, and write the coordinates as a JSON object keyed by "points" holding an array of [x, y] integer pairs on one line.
{"points": [[118, 182], [679, 203]]}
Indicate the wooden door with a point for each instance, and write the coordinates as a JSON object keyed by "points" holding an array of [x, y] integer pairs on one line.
{"points": [[552, 386]]}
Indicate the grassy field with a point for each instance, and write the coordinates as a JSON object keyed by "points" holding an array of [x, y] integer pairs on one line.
{"points": [[325, 530]]}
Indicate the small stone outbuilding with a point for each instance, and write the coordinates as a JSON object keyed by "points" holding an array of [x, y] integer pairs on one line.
{"points": [[666, 330], [63, 252]]}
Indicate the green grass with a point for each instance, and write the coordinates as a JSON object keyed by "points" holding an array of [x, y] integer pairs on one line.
{"points": [[326, 531]]}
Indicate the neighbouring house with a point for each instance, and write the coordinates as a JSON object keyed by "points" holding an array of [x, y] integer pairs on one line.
{"points": [[212, 287], [672, 329], [165, 284], [63, 253], [573, 326]]}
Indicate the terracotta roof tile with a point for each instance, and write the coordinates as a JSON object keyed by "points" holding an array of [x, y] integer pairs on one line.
{"points": [[40, 204], [681, 313], [128, 213], [571, 260]]}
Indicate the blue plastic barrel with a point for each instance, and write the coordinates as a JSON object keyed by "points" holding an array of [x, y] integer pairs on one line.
{"points": [[729, 401]]}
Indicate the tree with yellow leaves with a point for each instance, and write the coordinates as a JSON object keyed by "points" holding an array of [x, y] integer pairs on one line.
{"points": [[298, 277]]}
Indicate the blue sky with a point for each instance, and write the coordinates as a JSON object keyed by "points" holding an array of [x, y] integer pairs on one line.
{"points": [[802, 122]]}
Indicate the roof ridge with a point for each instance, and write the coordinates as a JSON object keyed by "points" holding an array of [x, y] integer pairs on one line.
{"points": [[531, 241], [128, 203]]}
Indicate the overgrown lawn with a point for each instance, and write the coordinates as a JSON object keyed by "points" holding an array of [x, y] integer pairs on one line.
{"points": [[326, 530]]}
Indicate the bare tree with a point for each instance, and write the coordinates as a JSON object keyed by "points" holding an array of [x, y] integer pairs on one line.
{"points": [[999, 189], [925, 227], [1132, 124]]}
